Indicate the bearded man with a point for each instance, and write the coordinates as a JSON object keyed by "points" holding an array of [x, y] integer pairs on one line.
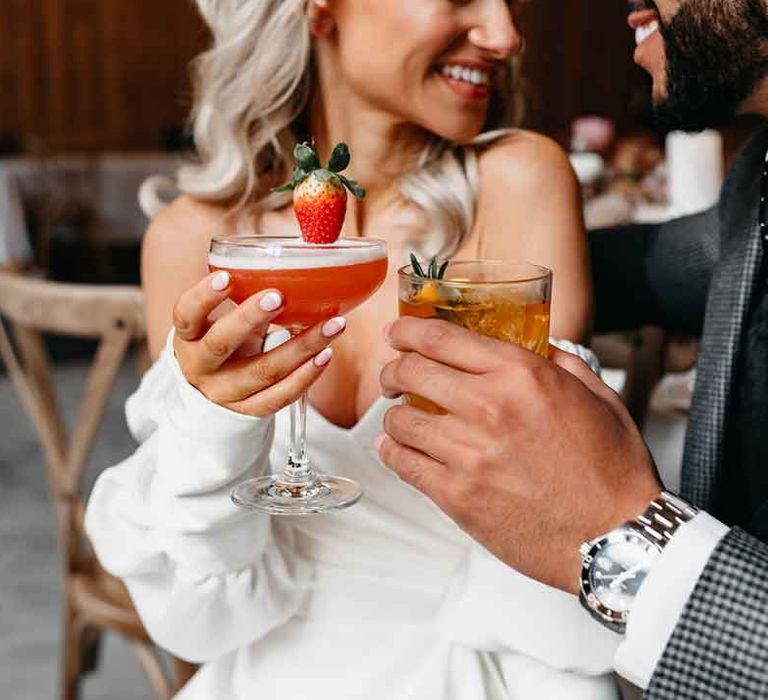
{"points": [[540, 461]]}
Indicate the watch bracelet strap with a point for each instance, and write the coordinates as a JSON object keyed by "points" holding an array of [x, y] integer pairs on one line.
{"points": [[663, 517]]}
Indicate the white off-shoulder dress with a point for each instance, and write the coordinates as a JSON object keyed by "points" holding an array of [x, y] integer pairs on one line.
{"points": [[388, 600]]}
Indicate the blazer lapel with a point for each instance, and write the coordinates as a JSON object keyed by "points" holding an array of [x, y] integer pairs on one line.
{"points": [[727, 304]]}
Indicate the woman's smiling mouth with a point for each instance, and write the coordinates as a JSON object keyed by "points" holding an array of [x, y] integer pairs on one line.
{"points": [[468, 79]]}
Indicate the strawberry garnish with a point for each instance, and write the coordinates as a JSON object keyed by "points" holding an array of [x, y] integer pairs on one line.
{"points": [[320, 194]]}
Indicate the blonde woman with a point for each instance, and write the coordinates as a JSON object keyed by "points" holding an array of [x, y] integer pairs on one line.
{"points": [[388, 600]]}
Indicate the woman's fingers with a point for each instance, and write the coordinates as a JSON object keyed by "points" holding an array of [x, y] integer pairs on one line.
{"points": [[285, 392], [257, 374], [248, 323], [190, 315]]}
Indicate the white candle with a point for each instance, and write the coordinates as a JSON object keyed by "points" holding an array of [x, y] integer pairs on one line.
{"points": [[695, 171]]}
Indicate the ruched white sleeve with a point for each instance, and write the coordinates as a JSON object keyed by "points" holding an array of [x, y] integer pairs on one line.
{"points": [[206, 577], [495, 608]]}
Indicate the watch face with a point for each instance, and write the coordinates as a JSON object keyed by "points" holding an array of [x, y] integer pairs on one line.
{"points": [[619, 566]]}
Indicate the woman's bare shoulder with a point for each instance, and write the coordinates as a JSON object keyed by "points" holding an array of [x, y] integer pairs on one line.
{"points": [[175, 248], [529, 207], [524, 159], [187, 222], [179, 236], [174, 257], [523, 176]]}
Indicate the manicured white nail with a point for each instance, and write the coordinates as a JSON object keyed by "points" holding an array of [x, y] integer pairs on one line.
{"points": [[334, 326], [220, 280], [323, 357], [271, 302]]}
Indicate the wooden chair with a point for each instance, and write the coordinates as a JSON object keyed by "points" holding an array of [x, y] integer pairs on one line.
{"points": [[93, 600]]}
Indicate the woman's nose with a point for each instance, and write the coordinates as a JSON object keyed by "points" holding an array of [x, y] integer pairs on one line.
{"points": [[495, 32]]}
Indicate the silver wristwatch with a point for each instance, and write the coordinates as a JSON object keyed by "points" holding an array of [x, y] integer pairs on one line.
{"points": [[615, 565]]}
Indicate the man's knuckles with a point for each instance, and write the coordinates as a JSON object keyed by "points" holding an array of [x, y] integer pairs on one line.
{"points": [[405, 373], [399, 460], [571, 363], [408, 425], [435, 336], [478, 465]]}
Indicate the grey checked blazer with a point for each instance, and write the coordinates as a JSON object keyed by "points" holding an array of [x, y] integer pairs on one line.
{"points": [[699, 274]]}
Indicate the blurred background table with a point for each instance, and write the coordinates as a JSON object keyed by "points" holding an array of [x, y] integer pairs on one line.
{"points": [[84, 202], [15, 250]]}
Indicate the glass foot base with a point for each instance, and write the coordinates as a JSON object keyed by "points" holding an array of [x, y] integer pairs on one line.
{"points": [[268, 494]]}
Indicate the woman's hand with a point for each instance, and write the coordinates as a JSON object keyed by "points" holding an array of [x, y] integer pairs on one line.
{"points": [[257, 385]]}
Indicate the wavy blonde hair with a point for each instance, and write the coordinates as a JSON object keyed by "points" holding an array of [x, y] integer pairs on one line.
{"points": [[252, 90]]}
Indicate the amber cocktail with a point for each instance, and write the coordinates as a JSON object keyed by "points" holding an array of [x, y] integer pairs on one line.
{"points": [[509, 301], [317, 282]]}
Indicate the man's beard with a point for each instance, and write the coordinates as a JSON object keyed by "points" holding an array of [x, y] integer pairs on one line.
{"points": [[717, 55]]}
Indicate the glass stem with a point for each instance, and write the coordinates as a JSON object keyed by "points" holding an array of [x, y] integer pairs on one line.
{"points": [[298, 471]]}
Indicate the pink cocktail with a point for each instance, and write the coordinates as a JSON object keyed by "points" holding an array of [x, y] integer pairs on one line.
{"points": [[317, 282]]}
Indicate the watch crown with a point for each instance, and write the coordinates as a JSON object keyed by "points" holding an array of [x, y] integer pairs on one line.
{"points": [[584, 549]]}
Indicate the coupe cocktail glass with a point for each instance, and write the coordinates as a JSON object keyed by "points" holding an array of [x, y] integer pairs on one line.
{"points": [[317, 282], [509, 301]]}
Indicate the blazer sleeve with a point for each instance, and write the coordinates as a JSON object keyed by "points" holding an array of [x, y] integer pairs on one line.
{"points": [[719, 648], [654, 274]]}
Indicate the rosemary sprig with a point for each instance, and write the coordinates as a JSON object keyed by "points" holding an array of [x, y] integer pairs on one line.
{"points": [[435, 270]]}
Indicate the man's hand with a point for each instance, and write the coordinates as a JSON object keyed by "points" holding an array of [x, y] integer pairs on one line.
{"points": [[533, 457]]}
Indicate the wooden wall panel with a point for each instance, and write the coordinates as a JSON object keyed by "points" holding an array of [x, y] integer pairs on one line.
{"points": [[21, 66], [153, 42], [578, 60], [76, 79], [113, 74], [95, 74]]}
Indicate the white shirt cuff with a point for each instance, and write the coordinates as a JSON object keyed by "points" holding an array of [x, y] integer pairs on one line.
{"points": [[663, 595]]}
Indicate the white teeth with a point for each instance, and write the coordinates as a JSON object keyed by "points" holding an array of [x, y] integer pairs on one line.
{"points": [[473, 76], [642, 33]]}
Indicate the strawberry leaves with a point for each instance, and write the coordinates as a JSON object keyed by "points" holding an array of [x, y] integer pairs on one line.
{"points": [[340, 158], [308, 163], [306, 157], [320, 193], [352, 186]]}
